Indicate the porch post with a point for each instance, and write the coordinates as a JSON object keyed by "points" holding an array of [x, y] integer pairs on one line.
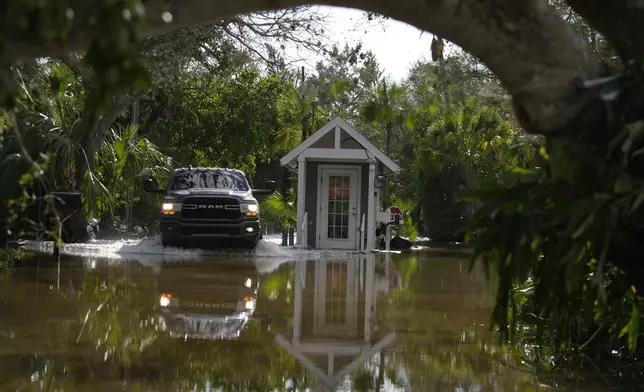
{"points": [[301, 192], [371, 208]]}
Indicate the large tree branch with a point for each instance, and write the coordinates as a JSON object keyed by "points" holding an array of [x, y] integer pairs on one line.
{"points": [[620, 21], [535, 54], [158, 110], [526, 43], [94, 129]]}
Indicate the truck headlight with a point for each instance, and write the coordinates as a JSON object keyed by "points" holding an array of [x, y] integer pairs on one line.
{"points": [[249, 209], [170, 208], [249, 303], [164, 300]]}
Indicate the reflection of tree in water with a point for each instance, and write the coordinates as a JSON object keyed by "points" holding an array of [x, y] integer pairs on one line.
{"points": [[121, 325], [440, 315], [250, 363], [432, 313], [117, 316]]}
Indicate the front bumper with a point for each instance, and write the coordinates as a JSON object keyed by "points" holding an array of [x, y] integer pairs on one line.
{"points": [[176, 229]]}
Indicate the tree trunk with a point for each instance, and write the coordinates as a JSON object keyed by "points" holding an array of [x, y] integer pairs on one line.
{"points": [[93, 132], [390, 127], [156, 113]]}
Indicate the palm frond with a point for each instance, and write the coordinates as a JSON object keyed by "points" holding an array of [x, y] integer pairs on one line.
{"points": [[97, 199], [279, 209]]}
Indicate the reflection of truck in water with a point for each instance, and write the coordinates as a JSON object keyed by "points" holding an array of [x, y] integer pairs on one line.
{"points": [[205, 301]]}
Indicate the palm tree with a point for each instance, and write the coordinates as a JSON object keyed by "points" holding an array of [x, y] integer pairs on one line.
{"points": [[281, 209], [298, 117], [460, 148], [123, 161], [50, 109], [386, 109]]}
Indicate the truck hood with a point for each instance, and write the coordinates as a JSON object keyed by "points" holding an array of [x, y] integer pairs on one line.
{"points": [[209, 192]]}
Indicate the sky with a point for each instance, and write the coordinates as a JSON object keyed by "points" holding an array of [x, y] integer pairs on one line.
{"points": [[396, 45]]}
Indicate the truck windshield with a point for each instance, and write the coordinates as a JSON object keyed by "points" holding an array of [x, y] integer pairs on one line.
{"points": [[216, 179]]}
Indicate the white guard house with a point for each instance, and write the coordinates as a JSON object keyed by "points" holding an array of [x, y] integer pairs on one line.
{"points": [[337, 198]]}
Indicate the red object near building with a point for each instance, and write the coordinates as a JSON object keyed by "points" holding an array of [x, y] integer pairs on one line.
{"points": [[395, 211]]}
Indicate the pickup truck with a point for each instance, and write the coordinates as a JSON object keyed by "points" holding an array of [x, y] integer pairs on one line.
{"points": [[209, 203]]}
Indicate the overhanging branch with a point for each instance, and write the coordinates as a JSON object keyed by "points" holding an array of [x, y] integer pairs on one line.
{"points": [[526, 43], [620, 21]]}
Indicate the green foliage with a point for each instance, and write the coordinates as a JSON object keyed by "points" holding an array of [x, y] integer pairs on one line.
{"points": [[554, 244], [386, 110], [344, 80], [281, 209], [297, 110], [125, 159], [49, 107], [225, 121], [47, 118], [407, 228], [466, 146], [115, 314], [9, 258]]}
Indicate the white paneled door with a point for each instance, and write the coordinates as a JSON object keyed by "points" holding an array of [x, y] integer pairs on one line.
{"points": [[339, 197]]}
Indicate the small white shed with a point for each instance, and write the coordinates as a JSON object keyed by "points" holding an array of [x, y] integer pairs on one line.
{"points": [[337, 169]]}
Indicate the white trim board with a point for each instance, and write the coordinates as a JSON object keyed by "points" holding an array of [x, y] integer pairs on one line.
{"points": [[344, 125]]}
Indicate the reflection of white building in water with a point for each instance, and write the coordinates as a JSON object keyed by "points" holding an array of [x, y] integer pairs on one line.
{"points": [[334, 328]]}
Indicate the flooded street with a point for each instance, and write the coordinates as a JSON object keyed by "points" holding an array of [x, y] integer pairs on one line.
{"points": [[268, 320]]}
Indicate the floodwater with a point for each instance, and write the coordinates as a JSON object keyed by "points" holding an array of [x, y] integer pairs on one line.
{"points": [[125, 316]]}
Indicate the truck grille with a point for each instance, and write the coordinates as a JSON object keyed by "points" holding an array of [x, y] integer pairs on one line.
{"points": [[224, 208]]}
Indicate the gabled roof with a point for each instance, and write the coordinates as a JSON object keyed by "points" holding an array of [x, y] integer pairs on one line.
{"points": [[335, 378], [343, 124]]}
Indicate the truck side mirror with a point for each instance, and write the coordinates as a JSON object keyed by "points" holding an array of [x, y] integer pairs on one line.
{"points": [[271, 186], [269, 190], [149, 186]]}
